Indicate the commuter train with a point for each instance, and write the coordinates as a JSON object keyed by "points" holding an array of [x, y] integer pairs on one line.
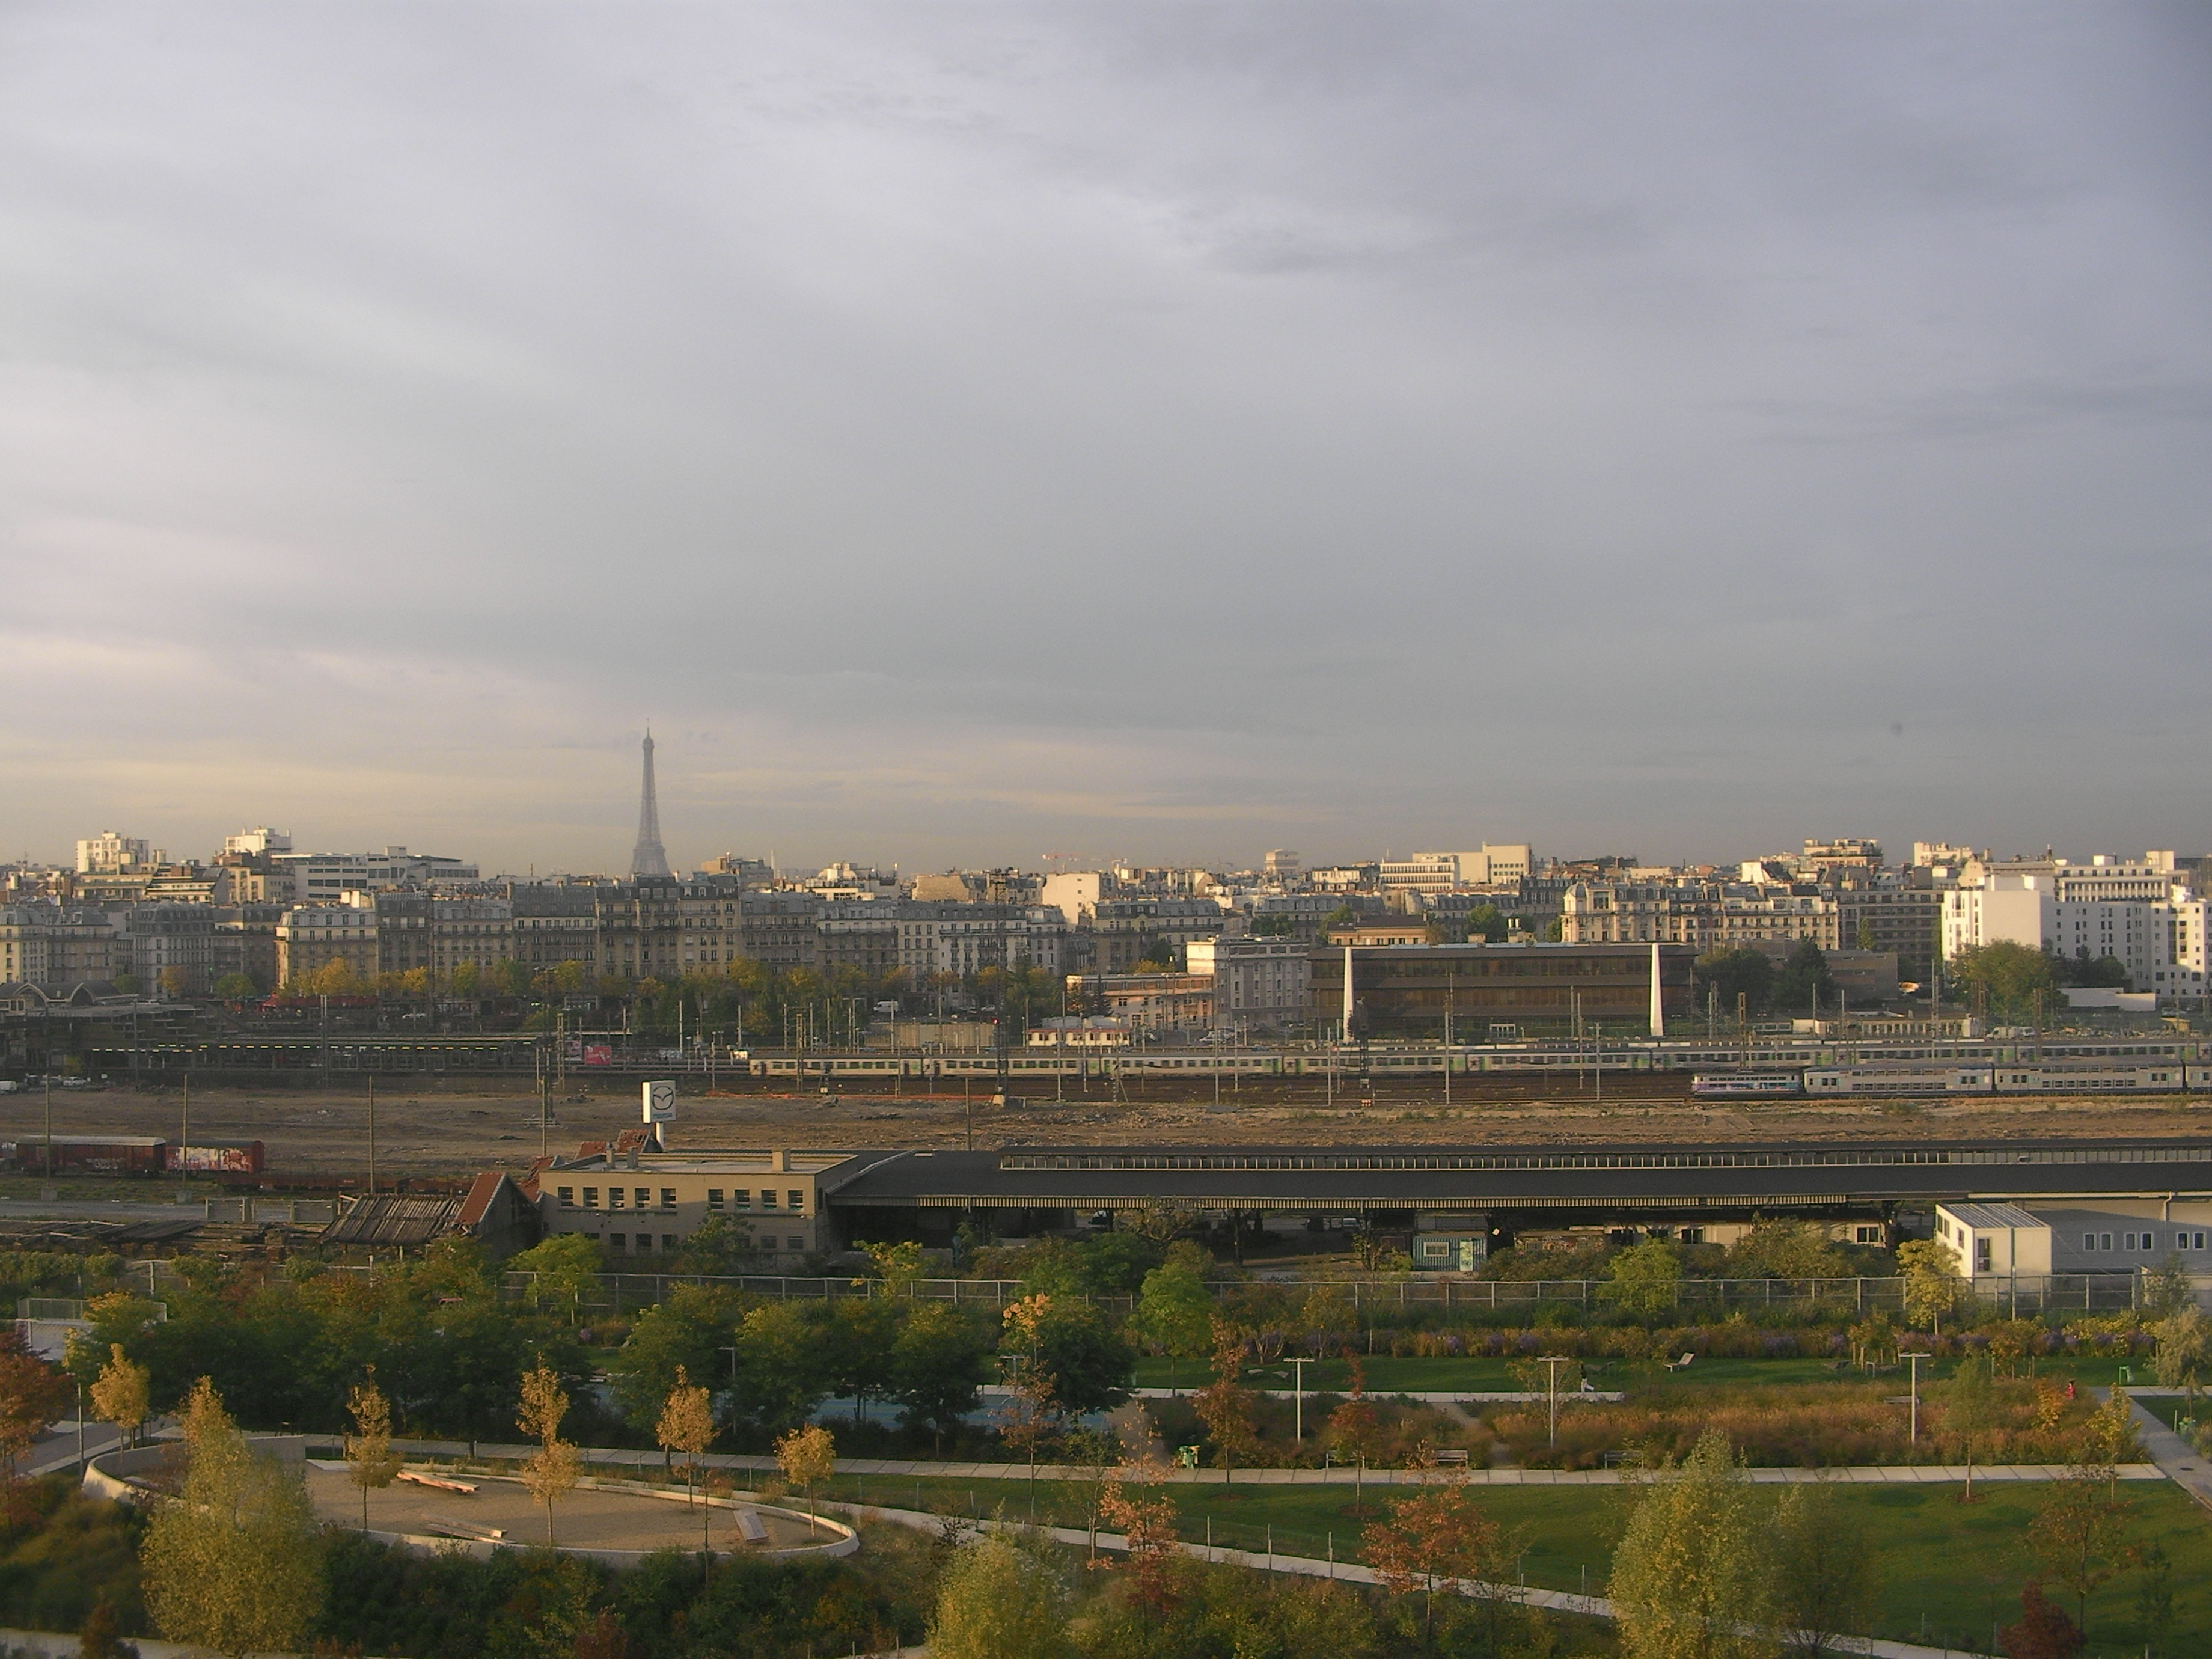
{"points": [[1768, 1068], [1894, 1082]]}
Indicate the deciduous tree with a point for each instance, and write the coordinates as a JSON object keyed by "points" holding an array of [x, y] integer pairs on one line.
{"points": [[687, 1426], [1931, 1281], [234, 1562], [939, 1366], [1226, 1406], [1175, 1311], [120, 1396], [32, 1393], [2014, 977], [1431, 1539], [999, 1600], [2079, 1535], [551, 1470], [1691, 1578], [807, 1456], [1647, 1277], [372, 1462], [2044, 1631], [1971, 1410], [1822, 1564]]}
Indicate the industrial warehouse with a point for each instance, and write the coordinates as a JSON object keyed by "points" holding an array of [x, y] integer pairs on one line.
{"points": [[2110, 1206]]}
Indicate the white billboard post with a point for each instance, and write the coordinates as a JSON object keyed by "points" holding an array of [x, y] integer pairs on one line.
{"points": [[657, 1106]]}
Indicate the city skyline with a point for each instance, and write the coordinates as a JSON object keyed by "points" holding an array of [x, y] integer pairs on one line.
{"points": [[974, 432]]}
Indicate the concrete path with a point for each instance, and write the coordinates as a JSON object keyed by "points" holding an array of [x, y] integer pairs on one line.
{"points": [[1588, 1606], [2175, 1458], [57, 1448], [1425, 1397], [910, 1470]]}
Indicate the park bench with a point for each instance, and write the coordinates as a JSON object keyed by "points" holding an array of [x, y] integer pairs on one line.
{"points": [[1451, 1457], [751, 1527], [1681, 1364], [441, 1483], [446, 1527]]}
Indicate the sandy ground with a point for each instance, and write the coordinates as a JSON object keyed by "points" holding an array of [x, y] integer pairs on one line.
{"points": [[454, 1127], [582, 1520]]}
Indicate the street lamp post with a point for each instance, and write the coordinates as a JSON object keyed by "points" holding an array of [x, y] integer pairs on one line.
{"points": [[1551, 1362], [1299, 1398], [1915, 1358]]}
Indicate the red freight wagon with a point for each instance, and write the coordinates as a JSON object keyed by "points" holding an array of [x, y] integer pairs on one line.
{"points": [[102, 1154], [245, 1159]]}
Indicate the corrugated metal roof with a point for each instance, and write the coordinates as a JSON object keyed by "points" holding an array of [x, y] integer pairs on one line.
{"points": [[395, 1219]]}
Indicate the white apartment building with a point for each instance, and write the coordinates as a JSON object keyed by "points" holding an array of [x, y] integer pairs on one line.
{"points": [[1259, 984], [2160, 942], [257, 843], [108, 854], [322, 878], [1443, 873]]}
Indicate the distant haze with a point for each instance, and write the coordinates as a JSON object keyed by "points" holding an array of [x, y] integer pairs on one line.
{"points": [[1169, 431]]}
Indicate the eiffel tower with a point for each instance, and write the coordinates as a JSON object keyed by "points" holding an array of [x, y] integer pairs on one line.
{"points": [[648, 857]]}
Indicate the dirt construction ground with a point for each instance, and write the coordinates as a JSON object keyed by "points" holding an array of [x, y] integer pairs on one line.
{"points": [[454, 1125]]}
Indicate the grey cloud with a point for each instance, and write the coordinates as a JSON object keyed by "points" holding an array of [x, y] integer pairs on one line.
{"points": [[979, 424]]}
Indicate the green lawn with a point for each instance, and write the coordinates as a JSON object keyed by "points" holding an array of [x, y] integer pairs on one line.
{"points": [[1390, 1375], [1937, 1560]]}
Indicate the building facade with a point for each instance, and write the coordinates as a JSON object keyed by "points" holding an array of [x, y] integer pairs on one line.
{"points": [[1260, 986]]}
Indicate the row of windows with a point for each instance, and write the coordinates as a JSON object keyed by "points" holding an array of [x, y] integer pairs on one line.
{"points": [[672, 1242], [2143, 1242], [740, 1197]]}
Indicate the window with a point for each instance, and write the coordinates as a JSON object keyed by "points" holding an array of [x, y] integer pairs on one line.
{"points": [[1982, 1257], [1865, 1234], [669, 1241], [614, 1198], [644, 1198], [568, 1198], [2104, 1241], [795, 1244], [2132, 1241], [1435, 1247], [795, 1202], [618, 1241], [590, 1198], [668, 1198], [714, 1198], [768, 1199]]}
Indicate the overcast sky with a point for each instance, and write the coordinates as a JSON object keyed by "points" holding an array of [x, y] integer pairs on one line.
{"points": [[1162, 432]]}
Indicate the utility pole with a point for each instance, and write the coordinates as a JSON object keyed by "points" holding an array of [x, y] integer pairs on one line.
{"points": [[185, 1139], [50, 1120], [544, 1111], [1451, 1000], [371, 1135]]}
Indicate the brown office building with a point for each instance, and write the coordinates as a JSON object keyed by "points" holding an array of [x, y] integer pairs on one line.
{"points": [[1404, 991]]}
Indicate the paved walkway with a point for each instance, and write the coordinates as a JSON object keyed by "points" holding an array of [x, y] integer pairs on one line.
{"points": [[910, 1470], [57, 1448], [1588, 1606], [1426, 1397], [2175, 1458]]}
